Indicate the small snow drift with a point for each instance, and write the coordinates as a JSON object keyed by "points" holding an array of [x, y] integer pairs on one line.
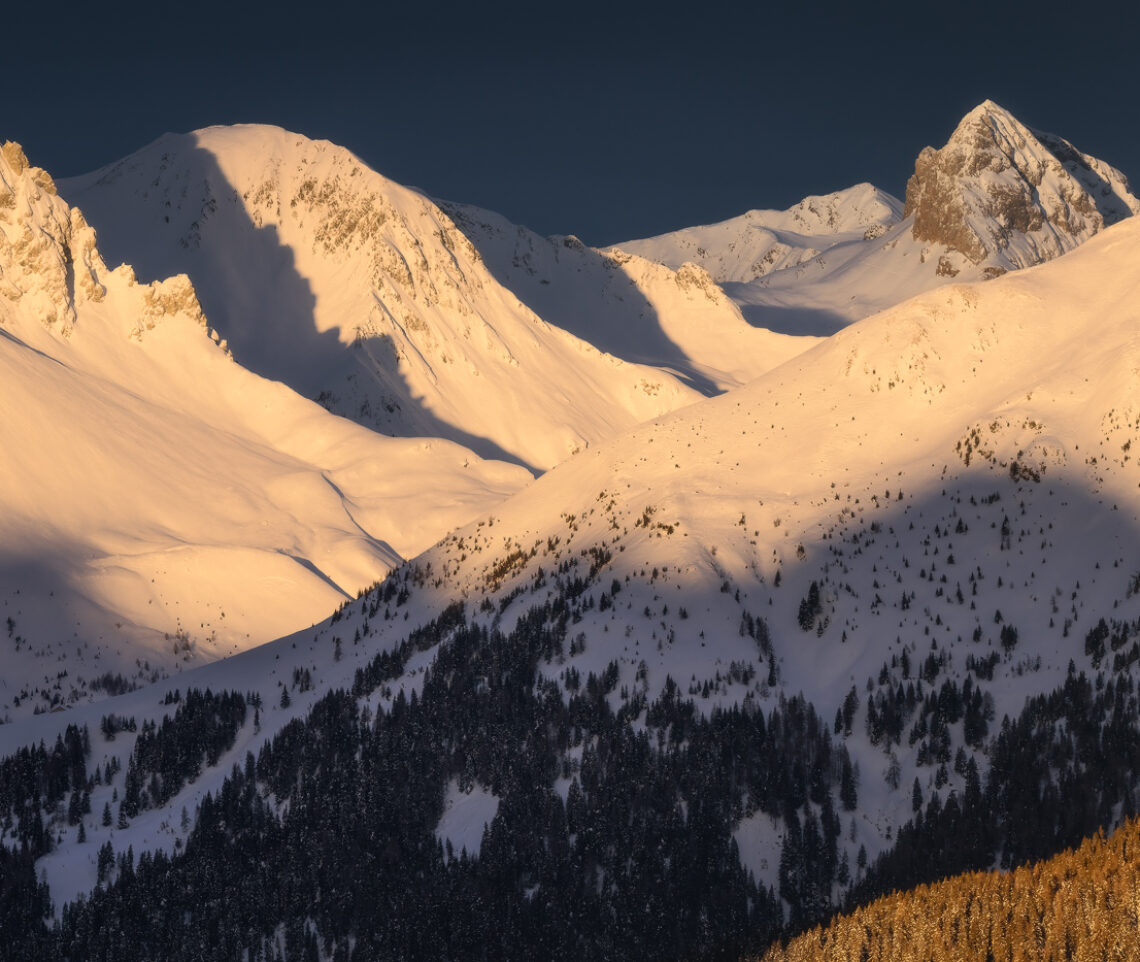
{"points": [[466, 815]]}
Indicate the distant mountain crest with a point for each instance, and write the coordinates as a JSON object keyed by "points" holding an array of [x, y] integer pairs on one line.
{"points": [[1001, 191], [761, 242], [997, 197]]}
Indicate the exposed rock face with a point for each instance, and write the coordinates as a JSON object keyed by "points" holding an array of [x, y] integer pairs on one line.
{"points": [[1001, 192], [49, 264], [47, 251]]}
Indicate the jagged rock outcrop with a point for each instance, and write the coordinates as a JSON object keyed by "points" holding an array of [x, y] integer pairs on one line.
{"points": [[41, 242], [49, 264], [999, 191]]}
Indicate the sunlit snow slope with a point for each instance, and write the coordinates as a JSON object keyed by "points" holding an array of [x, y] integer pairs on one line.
{"points": [[159, 504], [958, 464], [367, 296]]}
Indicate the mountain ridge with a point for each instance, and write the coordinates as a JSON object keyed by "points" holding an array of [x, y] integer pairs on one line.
{"points": [[998, 196], [403, 328], [760, 242]]}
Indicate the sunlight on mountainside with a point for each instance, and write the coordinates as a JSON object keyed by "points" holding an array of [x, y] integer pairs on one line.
{"points": [[732, 629]]}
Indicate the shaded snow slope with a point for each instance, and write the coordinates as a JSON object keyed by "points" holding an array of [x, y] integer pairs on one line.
{"points": [[158, 503], [366, 296], [673, 317]]}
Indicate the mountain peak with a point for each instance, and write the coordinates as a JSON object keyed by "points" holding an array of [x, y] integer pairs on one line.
{"points": [[1000, 191], [762, 242], [14, 157], [14, 165], [988, 108]]}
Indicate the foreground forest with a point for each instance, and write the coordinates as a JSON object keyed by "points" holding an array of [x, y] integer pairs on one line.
{"points": [[611, 839], [1081, 904]]}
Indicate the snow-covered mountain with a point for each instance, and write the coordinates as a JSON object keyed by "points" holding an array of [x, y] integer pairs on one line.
{"points": [[367, 296], [1005, 196], [964, 453], [760, 242], [672, 316], [952, 476], [942, 495], [596, 718], [998, 196], [158, 503]]}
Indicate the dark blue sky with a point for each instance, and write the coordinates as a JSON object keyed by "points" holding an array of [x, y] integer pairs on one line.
{"points": [[571, 118]]}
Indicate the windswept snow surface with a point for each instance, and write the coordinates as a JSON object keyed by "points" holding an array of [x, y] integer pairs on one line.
{"points": [[160, 504]]}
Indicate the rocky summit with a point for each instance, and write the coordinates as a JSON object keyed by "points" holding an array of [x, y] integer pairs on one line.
{"points": [[999, 191]]}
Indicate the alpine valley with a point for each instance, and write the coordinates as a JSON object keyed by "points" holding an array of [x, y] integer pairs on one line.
{"points": [[382, 580]]}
